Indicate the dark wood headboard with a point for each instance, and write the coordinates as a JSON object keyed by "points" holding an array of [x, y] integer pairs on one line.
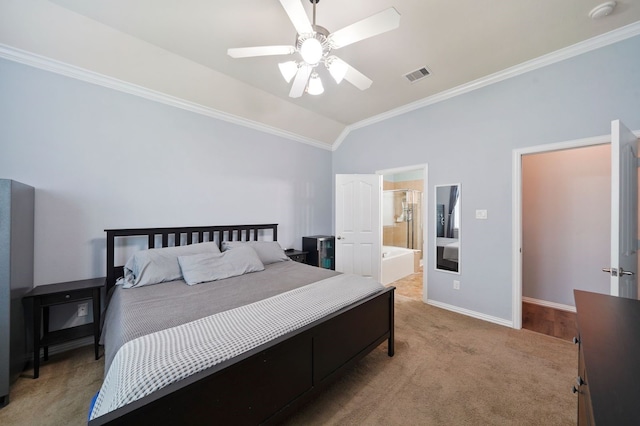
{"points": [[181, 236]]}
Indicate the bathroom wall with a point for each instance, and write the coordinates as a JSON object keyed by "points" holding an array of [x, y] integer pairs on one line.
{"points": [[395, 233]]}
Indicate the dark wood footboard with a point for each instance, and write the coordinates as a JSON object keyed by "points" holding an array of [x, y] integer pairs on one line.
{"points": [[266, 384]]}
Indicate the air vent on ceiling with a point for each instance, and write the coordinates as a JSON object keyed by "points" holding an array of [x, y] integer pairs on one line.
{"points": [[417, 75]]}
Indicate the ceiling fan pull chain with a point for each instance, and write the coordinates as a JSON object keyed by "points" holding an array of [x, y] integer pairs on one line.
{"points": [[314, 11]]}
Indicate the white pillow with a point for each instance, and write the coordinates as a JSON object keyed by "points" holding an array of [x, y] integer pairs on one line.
{"points": [[199, 268], [159, 265], [268, 251]]}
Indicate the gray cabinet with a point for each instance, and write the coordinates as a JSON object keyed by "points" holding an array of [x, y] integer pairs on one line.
{"points": [[16, 277]]}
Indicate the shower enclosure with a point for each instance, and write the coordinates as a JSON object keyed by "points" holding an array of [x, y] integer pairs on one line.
{"points": [[402, 219]]}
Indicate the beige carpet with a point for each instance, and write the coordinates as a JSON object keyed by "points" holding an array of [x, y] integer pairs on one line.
{"points": [[449, 369]]}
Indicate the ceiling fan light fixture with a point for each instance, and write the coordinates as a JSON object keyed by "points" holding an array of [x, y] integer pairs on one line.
{"points": [[315, 85], [314, 43], [337, 69], [288, 70], [311, 51]]}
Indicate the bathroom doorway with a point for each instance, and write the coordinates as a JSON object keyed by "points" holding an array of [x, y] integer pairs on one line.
{"points": [[403, 229]]}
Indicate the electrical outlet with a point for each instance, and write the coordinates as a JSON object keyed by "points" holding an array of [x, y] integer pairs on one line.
{"points": [[83, 309], [456, 285]]}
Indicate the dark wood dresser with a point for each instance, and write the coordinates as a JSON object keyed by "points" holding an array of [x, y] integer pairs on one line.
{"points": [[608, 382]]}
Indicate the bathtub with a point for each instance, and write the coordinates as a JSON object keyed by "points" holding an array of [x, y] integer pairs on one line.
{"points": [[397, 262]]}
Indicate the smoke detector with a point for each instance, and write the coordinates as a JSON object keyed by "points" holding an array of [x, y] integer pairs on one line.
{"points": [[602, 10]]}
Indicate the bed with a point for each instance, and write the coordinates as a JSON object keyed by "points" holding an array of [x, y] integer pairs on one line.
{"points": [[447, 253], [262, 384]]}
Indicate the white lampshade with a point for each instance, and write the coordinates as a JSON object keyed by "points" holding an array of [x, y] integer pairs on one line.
{"points": [[315, 85], [288, 69], [311, 51], [337, 69]]}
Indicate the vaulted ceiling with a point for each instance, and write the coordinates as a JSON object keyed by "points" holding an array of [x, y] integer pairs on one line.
{"points": [[179, 48]]}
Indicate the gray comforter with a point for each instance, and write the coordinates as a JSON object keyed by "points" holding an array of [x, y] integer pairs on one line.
{"points": [[139, 311], [151, 362]]}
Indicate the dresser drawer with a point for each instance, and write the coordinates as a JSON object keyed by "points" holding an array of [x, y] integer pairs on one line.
{"points": [[63, 297]]}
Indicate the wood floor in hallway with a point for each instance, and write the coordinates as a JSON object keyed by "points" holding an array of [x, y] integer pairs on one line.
{"points": [[549, 321]]}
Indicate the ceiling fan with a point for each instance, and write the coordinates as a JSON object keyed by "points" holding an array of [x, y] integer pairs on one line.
{"points": [[315, 43]]}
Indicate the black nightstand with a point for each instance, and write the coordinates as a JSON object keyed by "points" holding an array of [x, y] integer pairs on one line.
{"points": [[297, 255], [45, 296]]}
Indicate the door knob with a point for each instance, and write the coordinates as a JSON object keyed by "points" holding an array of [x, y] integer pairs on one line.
{"points": [[623, 272], [615, 272], [340, 238]]}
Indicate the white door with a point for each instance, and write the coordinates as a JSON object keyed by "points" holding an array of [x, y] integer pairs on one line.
{"points": [[358, 224], [624, 212]]}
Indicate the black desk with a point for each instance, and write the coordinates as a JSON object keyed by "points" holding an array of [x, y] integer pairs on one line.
{"points": [[45, 296]]}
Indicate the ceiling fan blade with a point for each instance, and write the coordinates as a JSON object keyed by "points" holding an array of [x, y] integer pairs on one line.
{"points": [[248, 52], [300, 82], [356, 78], [379, 23], [297, 15]]}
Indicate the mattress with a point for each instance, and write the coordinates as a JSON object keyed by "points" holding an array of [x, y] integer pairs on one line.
{"points": [[450, 248], [151, 362], [136, 312]]}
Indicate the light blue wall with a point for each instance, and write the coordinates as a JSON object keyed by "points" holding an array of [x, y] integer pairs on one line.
{"points": [[99, 159], [103, 159], [470, 139]]}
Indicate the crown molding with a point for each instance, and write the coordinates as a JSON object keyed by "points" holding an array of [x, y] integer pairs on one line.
{"points": [[594, 43], [341, 137], [68, 70]]}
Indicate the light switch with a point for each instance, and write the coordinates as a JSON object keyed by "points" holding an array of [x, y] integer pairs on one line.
{"points": [[481, 214]]}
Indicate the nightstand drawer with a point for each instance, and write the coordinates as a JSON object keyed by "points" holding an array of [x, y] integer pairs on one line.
{"points": [[298, 258], [68, 296], [297, 255]]}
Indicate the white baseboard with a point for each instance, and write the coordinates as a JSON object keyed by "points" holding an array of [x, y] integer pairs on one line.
{"points": [[469, 313], [554, 305]]}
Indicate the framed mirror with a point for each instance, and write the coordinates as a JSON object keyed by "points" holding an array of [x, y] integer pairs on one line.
{"points": [[447, 214]]}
